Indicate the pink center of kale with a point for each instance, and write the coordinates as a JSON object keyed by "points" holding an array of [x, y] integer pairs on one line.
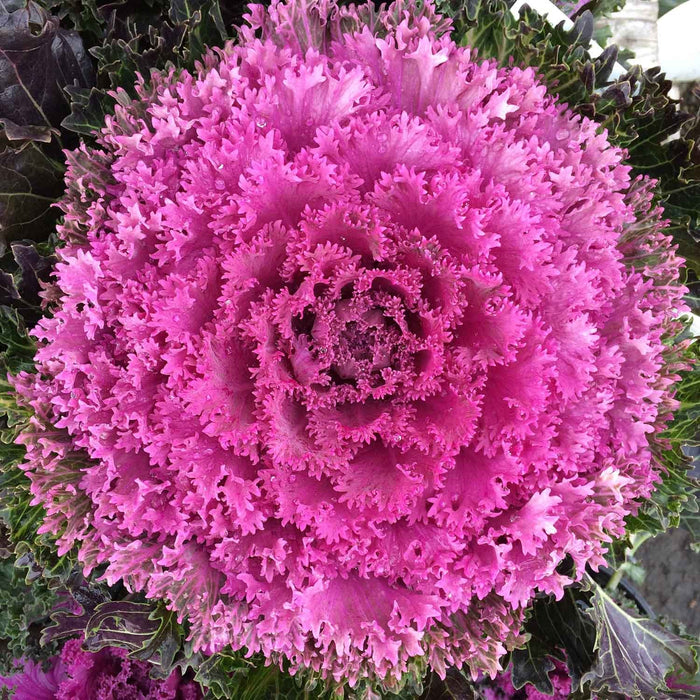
{"points": [[363, 344]]}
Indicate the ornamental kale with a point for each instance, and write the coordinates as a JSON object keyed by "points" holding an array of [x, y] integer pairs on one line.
{"points": [[353, 340], [106, 675]]}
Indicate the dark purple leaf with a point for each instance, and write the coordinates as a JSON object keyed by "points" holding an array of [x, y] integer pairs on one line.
{"points": [[30, 183], [15, 132], [455, 686], [34, 268], [37, 60]]}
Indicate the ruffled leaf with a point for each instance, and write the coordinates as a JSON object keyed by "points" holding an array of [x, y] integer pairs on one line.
{"points": [[128, 41], [635, 108], [21, 518], [149, 632], [455, 686], [37, 58], [231, 675], [357, 340], [24, 610], [676, 499], [21, 277]]}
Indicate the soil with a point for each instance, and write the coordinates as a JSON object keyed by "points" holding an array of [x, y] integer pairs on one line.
{"points": [[672, 583]]}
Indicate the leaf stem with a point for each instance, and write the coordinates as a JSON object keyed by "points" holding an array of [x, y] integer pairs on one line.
{"points": [[636, 541]]}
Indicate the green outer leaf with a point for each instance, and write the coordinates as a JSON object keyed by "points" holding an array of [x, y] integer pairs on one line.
{"points": [[22, 273], [132, 41], [455, 686], [676, 500], [85, 17], [555, 626], [192, 10], [231, 675], [635, 654], [224, 672], [533, 664], [30, 183], [149, 631], [17, 354], [24, 609], [88, 110], [19, 516]]}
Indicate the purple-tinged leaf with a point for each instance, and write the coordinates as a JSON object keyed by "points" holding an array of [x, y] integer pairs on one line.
{"points": [[30, 183], [22, 132], [34, 268], [37, 60], [150, 633], [636, 655]]}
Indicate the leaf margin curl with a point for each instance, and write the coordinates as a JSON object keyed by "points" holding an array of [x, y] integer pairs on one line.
{"points": [[621, 674]]}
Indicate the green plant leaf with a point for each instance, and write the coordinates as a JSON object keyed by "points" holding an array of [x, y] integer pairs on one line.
{"points": [[533, 664], [88, 109], [635, 655], [128, 41], [676, 499], [149, 631], [21, 274], [24, 609], [16, 354], [30, 183], [20, 518], [88, 17], [557, 629], [455, 686], [230, 674]]}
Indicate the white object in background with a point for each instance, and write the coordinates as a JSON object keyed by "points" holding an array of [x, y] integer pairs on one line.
{"points": [[545, 8], [634, 27], [679, 42], [695, 325], [555, 16]]}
